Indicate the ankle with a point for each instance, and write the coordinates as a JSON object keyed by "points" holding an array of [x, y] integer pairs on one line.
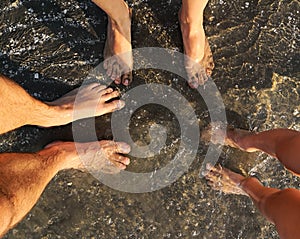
{"points": [[247, 182], [186, 19], [120, 23], [191, 28], [61, 156], [47, 115]]}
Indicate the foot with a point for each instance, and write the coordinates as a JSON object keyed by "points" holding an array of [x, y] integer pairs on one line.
{"points": [[231, 137], [222, 179], [103, 156], [118, 61], [199, 60], [87, 101], [239, 138]]}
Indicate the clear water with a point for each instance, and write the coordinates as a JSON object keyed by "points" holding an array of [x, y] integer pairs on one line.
{"points": [[49, 47]]}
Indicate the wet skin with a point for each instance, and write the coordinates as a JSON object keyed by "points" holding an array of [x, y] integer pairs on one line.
{"points": [[118, 61], [282, 207], [24, 176]]}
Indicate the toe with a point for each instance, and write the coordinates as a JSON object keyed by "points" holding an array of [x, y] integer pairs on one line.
{"points": [[193, 83], [105, 64], [99, 87], [116, 75], [109, 70], [115, 72], [201, 76], [114, 105], [122, 148], [105, 91], [110, 67], [110, 95], [119, 165], [127, 78], [122, 159]]}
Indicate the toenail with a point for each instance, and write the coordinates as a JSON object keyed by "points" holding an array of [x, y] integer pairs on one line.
{"points": [[127, 161], [120, 104], [193, 84], [124, 147]]}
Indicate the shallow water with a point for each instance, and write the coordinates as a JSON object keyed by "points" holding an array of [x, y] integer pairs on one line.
{"points": [[49, 47]]}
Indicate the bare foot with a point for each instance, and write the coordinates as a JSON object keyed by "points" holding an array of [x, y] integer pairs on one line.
{"points": [[231, 137], [214, 133], [118, 61], [86, 101], [198, 60], [224, 180], [103, 156], [238, 138]]}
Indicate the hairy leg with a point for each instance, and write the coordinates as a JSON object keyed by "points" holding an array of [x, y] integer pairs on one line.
{"points": [[24, 176], [18, 108], [199, 61], [117, 53]]}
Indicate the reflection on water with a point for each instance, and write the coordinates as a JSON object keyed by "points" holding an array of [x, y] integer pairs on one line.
{"points": [[49, 47]]}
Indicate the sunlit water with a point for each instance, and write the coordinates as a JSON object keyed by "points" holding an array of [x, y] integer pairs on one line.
{"points": [[49, 47]]}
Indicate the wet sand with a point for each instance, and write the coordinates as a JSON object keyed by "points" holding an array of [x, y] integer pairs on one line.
{"points": [[49, 47]]}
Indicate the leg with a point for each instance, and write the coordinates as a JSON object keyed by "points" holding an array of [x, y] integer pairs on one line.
{"points": [[199, 62], [118, 41], [18, 108], [284, 144], [24, 176], [281, 207]]}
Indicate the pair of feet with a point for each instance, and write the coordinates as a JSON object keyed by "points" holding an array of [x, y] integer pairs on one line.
{"points": [[222, 179], [118, 51]]}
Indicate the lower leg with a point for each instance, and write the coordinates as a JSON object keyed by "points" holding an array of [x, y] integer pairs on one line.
{"points": [[18, 108], [281, 207], [227, 181], [199, 62], [117, 53], [284, 144], [24, 176], [267, 141], [258, 193]]}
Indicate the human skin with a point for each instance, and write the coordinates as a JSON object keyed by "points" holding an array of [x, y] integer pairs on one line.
{"points": [[18, 108], [24, 176], [117, 51], [283, 144], [282, 207], [199, 61]]}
